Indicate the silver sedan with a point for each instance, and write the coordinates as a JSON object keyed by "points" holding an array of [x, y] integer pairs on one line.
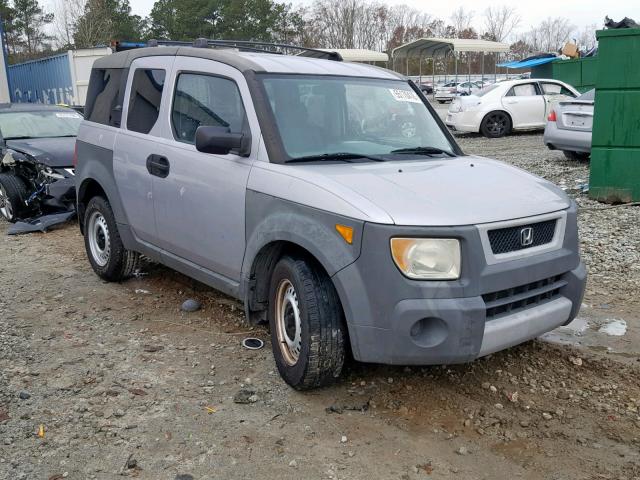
{"points": [[569, 127]]}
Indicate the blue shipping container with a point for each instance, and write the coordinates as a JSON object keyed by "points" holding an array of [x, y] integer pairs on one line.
{"points": [[45, 80]]}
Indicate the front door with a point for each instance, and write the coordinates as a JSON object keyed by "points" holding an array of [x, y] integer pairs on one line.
{"points": [[200, 205], [553, 93], [136, 142]]}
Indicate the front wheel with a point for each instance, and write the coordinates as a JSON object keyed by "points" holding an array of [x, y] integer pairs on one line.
{"points": [[495, 125], [13, 193], [307, 325], [107, 255]]}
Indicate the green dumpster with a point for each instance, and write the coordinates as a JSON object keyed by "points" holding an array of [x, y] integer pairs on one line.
{"points": [[615, 145], [579, 73]]}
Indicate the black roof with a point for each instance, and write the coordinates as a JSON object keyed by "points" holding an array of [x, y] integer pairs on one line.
{"points": [[31, 107]]}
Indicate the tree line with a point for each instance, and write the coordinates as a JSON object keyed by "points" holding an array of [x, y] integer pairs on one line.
{"points": [[31, 31]]}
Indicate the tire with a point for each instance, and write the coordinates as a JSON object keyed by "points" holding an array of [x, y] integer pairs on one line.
{"points": [[576, 156], [13, 193], [495, 125], [107, 255], [304, 304]]}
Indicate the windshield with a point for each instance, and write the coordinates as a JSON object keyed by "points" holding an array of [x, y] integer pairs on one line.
{"points": [[318, 115], [38, 124]]}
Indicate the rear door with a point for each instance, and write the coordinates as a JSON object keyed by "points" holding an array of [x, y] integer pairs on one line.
{"points": [[525, 105], [553, 93], [136, 153]]}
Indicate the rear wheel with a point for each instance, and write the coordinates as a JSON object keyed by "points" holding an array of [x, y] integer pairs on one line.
{"points": [[495, 125], [13, 194], [306, 322], [576, 156], [107, 255]]}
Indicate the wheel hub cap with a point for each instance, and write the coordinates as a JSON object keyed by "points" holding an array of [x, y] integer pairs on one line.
{"points": [[6, 208], [99, 240], [288, 324]]}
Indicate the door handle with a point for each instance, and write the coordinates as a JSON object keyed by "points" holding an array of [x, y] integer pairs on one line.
{"points": [[158, 165], [512, 102]]}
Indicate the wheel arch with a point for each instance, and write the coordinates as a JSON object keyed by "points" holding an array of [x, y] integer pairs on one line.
{"points": [[88, 189], [257, 278]]}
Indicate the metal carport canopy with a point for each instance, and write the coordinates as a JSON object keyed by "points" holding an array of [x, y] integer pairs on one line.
{"points": [[431, 47]]}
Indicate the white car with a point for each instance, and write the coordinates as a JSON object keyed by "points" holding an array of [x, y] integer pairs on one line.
{"points": [[452, 90], [498, 109]]}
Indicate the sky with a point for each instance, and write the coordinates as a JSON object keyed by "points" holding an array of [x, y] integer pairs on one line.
{"points": [[580, 12]]}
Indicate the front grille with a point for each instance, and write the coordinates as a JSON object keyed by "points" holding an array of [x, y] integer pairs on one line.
{"points": [[505, 240], [512, 300]]}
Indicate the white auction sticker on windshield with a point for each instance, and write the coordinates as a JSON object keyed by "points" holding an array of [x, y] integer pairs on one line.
{"points": [[405, 95], [67, 115]]}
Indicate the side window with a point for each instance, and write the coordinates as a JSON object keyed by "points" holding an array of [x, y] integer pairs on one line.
{"points": [[205, 100], [524, 90], [556, 89], [104, 98], [144, 100]]}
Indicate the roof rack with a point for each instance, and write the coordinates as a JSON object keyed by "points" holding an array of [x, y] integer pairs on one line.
{"points": [[242, 45]]}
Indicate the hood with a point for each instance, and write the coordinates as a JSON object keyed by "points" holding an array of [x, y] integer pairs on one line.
{"points": [[54, 152], [443, 192]]}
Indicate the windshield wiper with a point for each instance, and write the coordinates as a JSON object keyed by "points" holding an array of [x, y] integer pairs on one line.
{"points": [[345, 156], [63, 136], [18, 137], [424, 151]]}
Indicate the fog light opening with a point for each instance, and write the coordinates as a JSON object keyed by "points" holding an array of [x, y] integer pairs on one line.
{"points": [[429, 332]]}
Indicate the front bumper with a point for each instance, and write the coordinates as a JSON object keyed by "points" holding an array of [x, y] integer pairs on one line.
{"points": [[395, 320], [60, 194]]}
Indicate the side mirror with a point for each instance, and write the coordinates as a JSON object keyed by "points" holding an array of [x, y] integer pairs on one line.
{"points": [[220, 141]]}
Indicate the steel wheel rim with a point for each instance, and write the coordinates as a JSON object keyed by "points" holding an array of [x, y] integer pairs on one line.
{"points": [[497, 124], [6, 209], [288, 323], [99, 239]]}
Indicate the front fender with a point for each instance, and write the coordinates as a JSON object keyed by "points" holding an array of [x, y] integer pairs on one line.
{"points": [[270, 219]]}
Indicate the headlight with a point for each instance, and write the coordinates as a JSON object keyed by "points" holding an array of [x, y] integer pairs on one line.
{"points": [[427, 258]]}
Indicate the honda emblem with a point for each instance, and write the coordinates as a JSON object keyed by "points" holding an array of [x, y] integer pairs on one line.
{"points": [[526, 236]]}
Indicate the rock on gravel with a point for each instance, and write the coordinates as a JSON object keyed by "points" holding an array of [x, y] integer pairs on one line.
{"points": [[245, 396], [191, 305]]}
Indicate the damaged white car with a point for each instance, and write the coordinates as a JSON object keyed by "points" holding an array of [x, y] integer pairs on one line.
{"points": [[36, 163], [497, 110]]}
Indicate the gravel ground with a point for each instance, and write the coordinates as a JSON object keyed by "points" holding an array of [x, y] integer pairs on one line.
{"points": [[104, 381]]}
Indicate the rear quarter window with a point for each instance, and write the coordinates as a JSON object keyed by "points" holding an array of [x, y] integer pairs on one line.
{"points": [[104, 96], [144, 100]]}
